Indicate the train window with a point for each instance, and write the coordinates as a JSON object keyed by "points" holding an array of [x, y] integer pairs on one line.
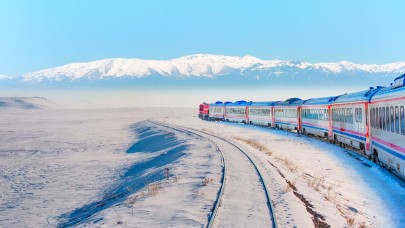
{"points": [[380, 119], [360, 115], [402, 117], [387, 118], [372, 117], [356, 113], [392, 118], [343, 113], [396, 119], [375, 117], [350, 115], [383, 119]]}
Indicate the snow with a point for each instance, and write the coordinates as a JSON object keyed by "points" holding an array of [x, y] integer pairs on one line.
{"points": [[97, 167], [199, 65], [350, 185], [27, 103]]}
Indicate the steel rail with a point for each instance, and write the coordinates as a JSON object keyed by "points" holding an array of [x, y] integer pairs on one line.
{"points": [[269, 202]]}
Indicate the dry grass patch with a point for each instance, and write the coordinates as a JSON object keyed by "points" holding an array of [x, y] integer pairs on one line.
{"points": [[316, 182], [255, 144], [207, 130], [291, 166], [207, 180], [153, 189], [349, 221]]}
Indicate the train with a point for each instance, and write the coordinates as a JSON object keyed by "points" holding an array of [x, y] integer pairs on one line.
{"points": [[370, 122]]}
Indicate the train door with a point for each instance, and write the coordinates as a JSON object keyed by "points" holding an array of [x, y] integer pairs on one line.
{"points": [[299, 119], [367, 125], [247, 115], [330, 116], [360, 120]]}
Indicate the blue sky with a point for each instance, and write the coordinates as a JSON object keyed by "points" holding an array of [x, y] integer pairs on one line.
{"points": [[40, 34]]}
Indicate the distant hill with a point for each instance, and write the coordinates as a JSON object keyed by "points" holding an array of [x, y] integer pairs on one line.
{"points": [[26, 103]]}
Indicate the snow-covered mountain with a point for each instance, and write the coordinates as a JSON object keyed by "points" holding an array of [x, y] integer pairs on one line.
{"points": [[207, 66]]}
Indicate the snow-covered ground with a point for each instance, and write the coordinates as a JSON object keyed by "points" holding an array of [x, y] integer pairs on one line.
{"points": [[55, 161], [340, 186], [106, 167]]}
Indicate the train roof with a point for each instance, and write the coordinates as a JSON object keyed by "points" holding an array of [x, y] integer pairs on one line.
{"points": [[238, 103], [397, 87], [321, 100], [220, 104], [263, 103], [364, 95], [290, 102]]}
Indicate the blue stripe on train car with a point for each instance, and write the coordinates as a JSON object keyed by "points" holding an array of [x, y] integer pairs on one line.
{"points": [[391, 151], [318, 128], [350, 135]]}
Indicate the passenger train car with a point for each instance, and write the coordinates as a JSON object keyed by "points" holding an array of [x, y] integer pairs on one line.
{"points": [[262, 113], [387, 126], [217, 111], [317, 118], [350, 125], [288, 114], [371, 122], [237, 112]]}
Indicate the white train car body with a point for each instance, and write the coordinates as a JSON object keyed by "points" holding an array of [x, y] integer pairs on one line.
{"points": [[349, 118], [261, 113], [317, 118], [288, 114], [387, 126], [237, 112], [216, 111]]}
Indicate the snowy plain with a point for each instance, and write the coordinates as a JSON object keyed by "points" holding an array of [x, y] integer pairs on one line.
{"points": [[94, 168]]}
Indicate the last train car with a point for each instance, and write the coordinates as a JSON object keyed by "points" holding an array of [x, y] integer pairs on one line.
{"points": [[288, 114], [262, 113], [387, 132], [203, 111], [316, 116], [217, 111], [349, 116], [237, 112]]}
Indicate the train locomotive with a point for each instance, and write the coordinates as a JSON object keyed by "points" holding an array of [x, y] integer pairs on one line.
{"points": [[370, 122]]}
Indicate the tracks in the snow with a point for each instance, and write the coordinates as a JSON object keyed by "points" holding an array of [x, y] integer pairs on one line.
{"points": [[243, 192]]}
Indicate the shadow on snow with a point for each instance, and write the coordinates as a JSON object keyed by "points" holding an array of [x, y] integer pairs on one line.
{"points": [[151, 139]]}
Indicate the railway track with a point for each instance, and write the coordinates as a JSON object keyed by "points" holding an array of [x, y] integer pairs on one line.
{"points": [[243, 190]]}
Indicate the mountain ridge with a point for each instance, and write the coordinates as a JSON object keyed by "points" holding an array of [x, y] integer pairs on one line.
{"points": [[204, 66]]}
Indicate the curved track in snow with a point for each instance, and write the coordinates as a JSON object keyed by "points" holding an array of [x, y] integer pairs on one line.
{"points": [[243, 199]]}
